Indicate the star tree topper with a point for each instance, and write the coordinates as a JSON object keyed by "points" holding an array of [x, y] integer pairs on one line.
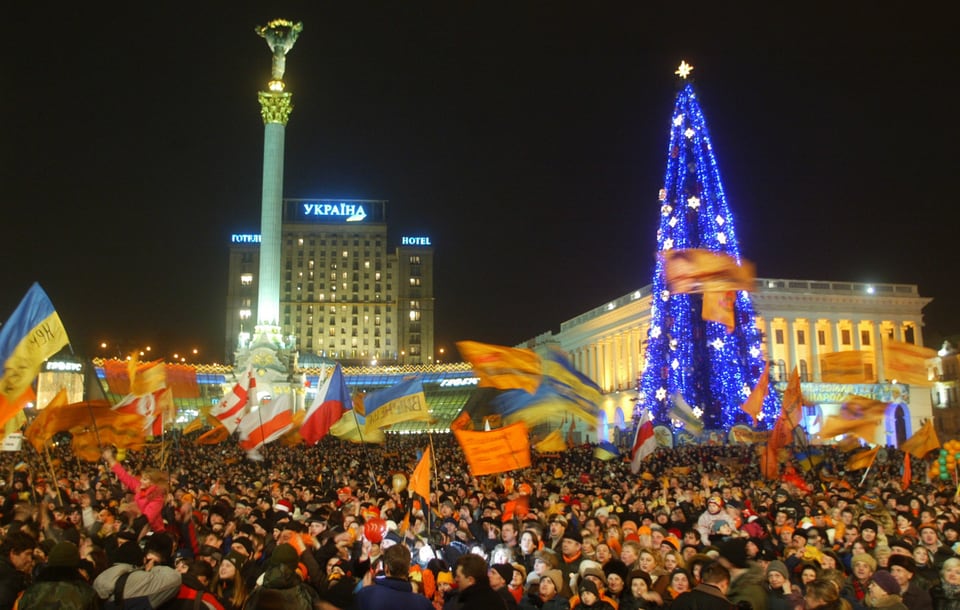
{"points": [[684, 70]]}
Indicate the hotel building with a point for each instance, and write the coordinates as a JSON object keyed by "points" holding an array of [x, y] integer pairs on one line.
{"points": [[344, 293]]}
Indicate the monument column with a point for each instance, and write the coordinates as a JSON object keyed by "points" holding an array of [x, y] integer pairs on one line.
{"points": [[275, 108]]}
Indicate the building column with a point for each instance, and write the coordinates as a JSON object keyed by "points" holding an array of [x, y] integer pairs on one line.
{"points": [[855, 329], [791, 346], [835, 332], [768, 332], [878, 351], [814, 351]]}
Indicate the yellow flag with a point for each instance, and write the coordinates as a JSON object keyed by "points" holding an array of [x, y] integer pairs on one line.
{"points": [[862, 459], [907, 363], [922, 442], [845, 367], [146, 378], [504, 368], [552, 443], [718, 307], [696, 270], [420, 479], [849, 443]]}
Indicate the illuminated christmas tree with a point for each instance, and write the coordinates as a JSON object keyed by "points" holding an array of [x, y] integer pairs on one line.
{"points": [[713, 370]]}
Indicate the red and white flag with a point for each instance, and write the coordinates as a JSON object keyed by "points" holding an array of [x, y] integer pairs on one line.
{"points": [[236, 403], [644, 443], [267, 424], [154, 408], [333, 400]]}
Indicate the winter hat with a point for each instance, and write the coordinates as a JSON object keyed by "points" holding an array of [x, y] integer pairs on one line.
{"points": [[556, 576], [588, 585], [505, 570], [284, 505], [286, 555], [868, 524], [780, 567], [887, 582], [734, 551], [593, 571], [904, 561], [615, 566], [64, 555], [444, 577], [715, 528], [865, 558], [129, 552], [572, 533], [236, 559]]}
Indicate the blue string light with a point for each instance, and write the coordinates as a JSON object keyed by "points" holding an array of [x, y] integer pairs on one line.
{"points": [[713, 371]]}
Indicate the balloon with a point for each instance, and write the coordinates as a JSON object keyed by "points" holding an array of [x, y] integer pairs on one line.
{"points": [[399, 482], [944, 476], [121, 454], [375, 529]]}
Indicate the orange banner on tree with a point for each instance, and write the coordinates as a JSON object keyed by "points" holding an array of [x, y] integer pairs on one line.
{"points": [[696, 270], [499, 450]]}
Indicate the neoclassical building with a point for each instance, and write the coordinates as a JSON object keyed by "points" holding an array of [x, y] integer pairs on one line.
{"points": [[801, 319]]}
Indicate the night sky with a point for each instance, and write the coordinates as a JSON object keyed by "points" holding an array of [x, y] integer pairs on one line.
{"points": [[528, 140]]}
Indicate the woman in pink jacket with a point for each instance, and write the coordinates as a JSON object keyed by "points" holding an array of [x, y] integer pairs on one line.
{"points": [[150, 490]]}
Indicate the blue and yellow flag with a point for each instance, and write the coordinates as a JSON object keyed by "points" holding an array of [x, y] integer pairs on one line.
{"points": [[606, 451], [31, 335], [404, 401], [504, 368]]}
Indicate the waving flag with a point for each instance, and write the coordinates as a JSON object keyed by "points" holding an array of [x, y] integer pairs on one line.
{"points": [[32, 334], [644, 442], [862, 459], [504, 368], [333, 400], [845, 367], [552, 443], [923, 442], [754, 403], [907, 363], [266, 424], [420, 479], [718, 307], [499, 450], [696, 270], [404, 401], [237, 401], [606, 451], [154, 409], [681, 411]]}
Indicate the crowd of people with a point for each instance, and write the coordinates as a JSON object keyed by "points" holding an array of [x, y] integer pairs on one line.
{"points": [[333, 526]]}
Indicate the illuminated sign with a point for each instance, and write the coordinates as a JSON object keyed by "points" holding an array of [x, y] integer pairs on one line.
{"points": [[70, 367], [457, 383], [334, 211], [351, 212], [415, 241], [245, 238]]}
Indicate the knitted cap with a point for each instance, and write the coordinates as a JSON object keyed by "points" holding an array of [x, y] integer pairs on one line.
{"points": [[236, 559], [286, 555], [65, 555], [779, 567], [505, 570], [887, 582], [444, 577]]}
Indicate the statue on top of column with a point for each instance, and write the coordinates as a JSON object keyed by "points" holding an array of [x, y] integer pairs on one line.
{"points": [[280, 35]]}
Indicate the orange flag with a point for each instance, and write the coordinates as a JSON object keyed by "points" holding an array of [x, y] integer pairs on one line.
{"points": [[420, 479], [907, 473], [214, 437], [907, 363], [696, 270], [863, 459], [923, 442], [462, 422], [499, 450], [754, 403], [845, 367], [718, 307], [147, 377]]}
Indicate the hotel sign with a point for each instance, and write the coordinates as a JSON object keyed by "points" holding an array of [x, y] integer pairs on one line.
{"points": [[415, 241], [346, 211], [245, 238]]}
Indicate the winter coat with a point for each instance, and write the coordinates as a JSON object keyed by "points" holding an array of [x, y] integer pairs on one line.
{"points": [[533, 602], [749, 586], [12, 582], [946, 597], [61, 588], [282, 588], [158, 585], [388, 593], [917, 598], [149, 500], [482, 597], [702, 597]]}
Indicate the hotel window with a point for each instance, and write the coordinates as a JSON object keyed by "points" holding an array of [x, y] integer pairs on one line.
{"points": [[778, 336], [414, 281], [821, 337], [414, 260], [801, 337], [246, 279], [300, 241], [845, 336], [245, 314], [414, 316], [864, 337]]}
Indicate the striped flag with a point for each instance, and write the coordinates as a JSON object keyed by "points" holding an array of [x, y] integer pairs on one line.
{"points": [[333, 400], [606, 451], [236, 402], [266, 424], [644, 443], [681, 411]]}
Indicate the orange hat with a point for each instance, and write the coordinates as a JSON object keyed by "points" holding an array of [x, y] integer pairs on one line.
{"points": [[345, 490], [629, 525], [444, 577], [187, 497]]}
